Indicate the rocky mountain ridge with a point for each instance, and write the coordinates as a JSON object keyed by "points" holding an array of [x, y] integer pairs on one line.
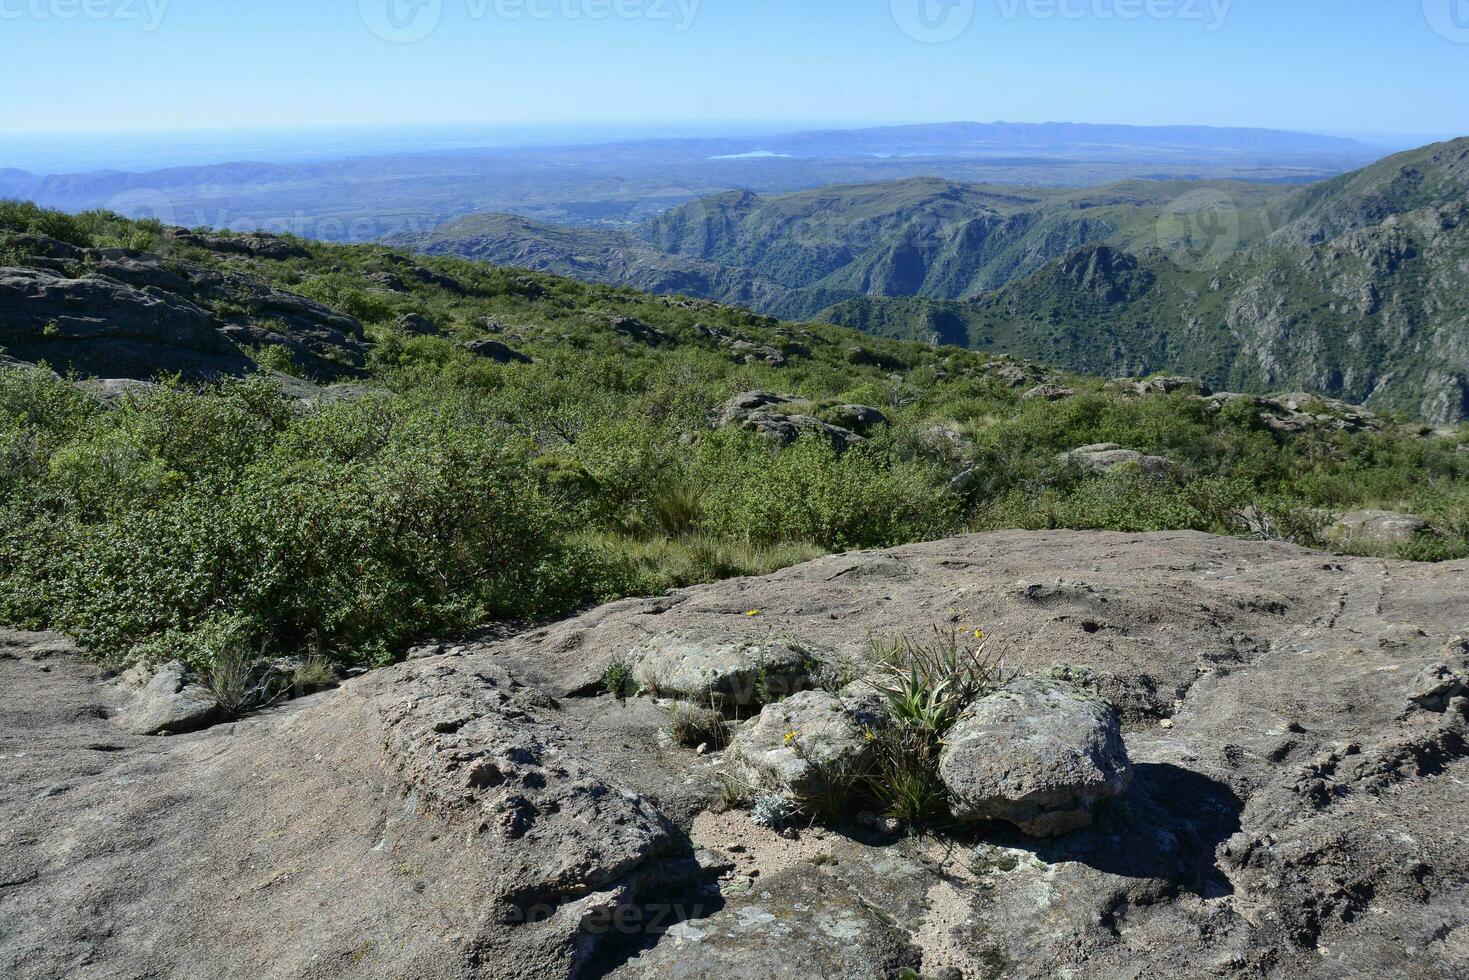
{"points": [[792, 255], [1347, 288], [1356, 296]]}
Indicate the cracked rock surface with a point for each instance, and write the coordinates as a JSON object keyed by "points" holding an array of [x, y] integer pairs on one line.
{"points": [[1297, 725]]}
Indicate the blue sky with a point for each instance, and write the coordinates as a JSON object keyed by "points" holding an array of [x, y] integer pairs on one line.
{"points": [[1327, 65]]}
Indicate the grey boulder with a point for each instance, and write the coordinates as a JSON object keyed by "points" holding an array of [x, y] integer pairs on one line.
{"points": [[719, 668], [798, 747], [741, 406], [170, 703], [416, 324], [1376, 529], [1107, 456], [758, 411], [1037, 753]]}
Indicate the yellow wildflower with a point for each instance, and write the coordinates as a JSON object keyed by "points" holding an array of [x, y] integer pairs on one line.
{"points": [[753, 612], [790, 737]]}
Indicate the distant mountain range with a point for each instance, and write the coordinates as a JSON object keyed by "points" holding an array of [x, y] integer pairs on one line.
{"points": [[1359, 293], [343, 197], [794, 255], [1353, 286]]}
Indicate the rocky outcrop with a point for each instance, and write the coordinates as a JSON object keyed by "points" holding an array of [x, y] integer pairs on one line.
{"points": [[1040, 754], [1298, 738], [1166, 385], [123, 314], [759, 411], [1376, 529], [43, 308], [744, 349], [1109, 456], [1299, 412], [255, 245]]}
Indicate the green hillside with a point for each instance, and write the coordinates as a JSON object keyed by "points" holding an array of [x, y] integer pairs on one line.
{"points": [[348, 449]]}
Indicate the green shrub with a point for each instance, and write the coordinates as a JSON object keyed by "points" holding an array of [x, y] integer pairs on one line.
{"points": [[26, 218], [905, 777], [363, 526], [808, 492], [617, 679]]}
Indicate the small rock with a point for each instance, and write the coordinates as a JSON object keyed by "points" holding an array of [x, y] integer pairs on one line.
{"points": [[496, 351]]}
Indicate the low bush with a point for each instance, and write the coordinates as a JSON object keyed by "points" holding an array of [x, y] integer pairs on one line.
{"points": [[692, 726], [357, 527]]}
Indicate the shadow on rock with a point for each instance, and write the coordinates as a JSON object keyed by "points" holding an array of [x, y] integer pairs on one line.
{"points": [[681, 887], [1167, 826]]}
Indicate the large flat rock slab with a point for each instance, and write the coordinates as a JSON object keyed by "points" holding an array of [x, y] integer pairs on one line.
{"points": [[1298, 805]]}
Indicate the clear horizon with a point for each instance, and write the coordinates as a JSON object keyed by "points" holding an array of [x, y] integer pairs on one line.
{"points": [[114, 66], [139, 151]]}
